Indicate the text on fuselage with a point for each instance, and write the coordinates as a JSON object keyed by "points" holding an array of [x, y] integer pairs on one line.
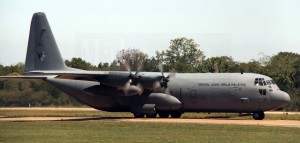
{"points": [[221, 84]]}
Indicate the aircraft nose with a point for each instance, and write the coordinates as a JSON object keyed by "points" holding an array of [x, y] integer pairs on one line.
{"points": [[287, 98], [280, 99]]}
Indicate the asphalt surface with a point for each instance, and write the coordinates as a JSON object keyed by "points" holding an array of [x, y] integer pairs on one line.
{"points": [[283, 123]]}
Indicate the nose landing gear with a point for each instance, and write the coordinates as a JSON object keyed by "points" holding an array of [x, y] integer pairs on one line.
{"points": [[259, 115]]}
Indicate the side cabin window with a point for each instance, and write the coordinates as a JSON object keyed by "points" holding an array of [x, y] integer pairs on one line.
{"points": [[260, 82], [262, 91]]}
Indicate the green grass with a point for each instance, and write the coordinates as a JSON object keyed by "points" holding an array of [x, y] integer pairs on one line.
{"points": [[104, 130], [113, 131]]}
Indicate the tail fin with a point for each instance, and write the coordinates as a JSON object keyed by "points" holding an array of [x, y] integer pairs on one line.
{"points": [[42, 51]]}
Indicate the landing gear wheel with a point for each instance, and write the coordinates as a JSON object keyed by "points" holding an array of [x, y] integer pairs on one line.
{"points": [[176, 114], [258, 115], [138, 115], [163, 114], [151, 115]]}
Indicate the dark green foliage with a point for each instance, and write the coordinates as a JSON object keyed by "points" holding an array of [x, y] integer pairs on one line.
{"points": [[32, 93], [103, 66], [183, 55], [12, 69], [78, 63], [221, 64], [151, 65]]}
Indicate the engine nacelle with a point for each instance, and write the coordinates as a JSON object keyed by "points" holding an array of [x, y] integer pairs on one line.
{"points": [[164, 102]]}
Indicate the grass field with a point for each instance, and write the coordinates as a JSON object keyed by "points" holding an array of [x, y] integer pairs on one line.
{"points": [[103, 130], [112, 131]]}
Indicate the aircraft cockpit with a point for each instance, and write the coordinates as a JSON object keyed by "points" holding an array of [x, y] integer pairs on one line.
{"points": [[266, 82], [263, 82], [260, 82]]}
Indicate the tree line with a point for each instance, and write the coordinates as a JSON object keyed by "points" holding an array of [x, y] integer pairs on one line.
{"points": [[183, 55]]}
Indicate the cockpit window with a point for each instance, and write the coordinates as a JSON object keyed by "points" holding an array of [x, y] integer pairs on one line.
{"points": [[269, 82], [256, 82], [260, 82], [273, 82], [264, 82]]}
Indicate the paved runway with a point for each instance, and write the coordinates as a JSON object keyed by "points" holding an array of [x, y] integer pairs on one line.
{"points": [[283, 123]]}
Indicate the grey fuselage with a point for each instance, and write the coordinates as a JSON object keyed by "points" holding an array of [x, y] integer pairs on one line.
{"points": [[197, 92]]}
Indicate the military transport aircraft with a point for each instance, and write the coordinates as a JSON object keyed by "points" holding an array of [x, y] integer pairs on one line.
{"points": [[148, 93]]}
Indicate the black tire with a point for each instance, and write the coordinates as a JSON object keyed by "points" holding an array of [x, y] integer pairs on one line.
{"points": [[163, 114], [139, 115], [176, 114], [151, 115], [260, 115]]}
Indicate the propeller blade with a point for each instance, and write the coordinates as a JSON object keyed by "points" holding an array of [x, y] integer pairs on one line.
{"points": [[139, 67], [172, 74], [161, 68], [167, 91], [140, 87], [127, 67], [156, 85]]}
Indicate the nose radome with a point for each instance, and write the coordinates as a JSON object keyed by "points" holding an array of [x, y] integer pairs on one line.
{"points": [[287, 97], [280, 99]]}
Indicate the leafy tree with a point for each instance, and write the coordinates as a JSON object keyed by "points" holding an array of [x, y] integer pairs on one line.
{"points": [[282, 68], [12, 69], [103, 66], [114, 66], [297, 74], [80, 64], [151, 65], [220, 64], [131, 59], [183, 55]]}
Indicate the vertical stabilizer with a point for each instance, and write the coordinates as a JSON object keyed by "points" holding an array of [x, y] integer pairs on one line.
{"points": [[42, 51]]}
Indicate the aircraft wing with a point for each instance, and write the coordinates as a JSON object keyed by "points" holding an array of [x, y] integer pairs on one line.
{"points": [[75, 74], [26, 77]]}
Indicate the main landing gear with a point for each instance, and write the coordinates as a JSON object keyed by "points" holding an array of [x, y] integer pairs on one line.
{"points": [[162, 114], [259, 115]]}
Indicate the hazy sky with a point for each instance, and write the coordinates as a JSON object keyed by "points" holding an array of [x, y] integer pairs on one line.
{"points": [[96, 30]]}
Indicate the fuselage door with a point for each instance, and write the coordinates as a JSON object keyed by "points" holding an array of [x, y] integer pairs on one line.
{"points": [[264, 99]]}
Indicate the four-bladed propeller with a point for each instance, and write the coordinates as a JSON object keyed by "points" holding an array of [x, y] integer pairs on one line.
{"points": [[138, 82]]}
